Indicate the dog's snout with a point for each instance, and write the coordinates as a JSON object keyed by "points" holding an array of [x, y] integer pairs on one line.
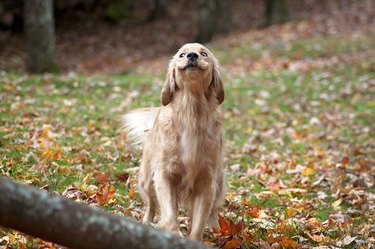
{"points": [[192, 56]]}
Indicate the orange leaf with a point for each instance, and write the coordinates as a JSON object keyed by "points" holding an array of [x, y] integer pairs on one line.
{"points": [[127, 213], [83, 157], [247, 237], [104, 194], [131, 194], [234, 243], [319, 238], [286, 242], [101, 198], [56, 155], [289, 212], [224, 226], [254, 211], [46, 132], [296, 135], [101, 177], [314, 225], [245, 202], [229, 228], [111, 192]]}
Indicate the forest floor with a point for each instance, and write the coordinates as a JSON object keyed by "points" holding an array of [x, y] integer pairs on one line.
{"points": [[299, 135]]}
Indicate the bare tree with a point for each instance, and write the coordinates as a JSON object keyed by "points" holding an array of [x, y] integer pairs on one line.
{"points": [[53, 218], [224, 16], [40, 36], [276, 12], [214, 16], [159, 10]]}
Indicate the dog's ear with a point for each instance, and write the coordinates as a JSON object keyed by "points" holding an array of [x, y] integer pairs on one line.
{"points": [[169, 87], [217, 85]]}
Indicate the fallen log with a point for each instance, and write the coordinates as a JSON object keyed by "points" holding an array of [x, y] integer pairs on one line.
{"points": [[55, 219]]}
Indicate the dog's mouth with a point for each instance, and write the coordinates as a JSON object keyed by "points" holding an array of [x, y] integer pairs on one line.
{"points": [[192, 65]]}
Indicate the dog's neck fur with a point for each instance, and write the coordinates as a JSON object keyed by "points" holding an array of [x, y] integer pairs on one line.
{"points": [[195, 117], [192, 110]]}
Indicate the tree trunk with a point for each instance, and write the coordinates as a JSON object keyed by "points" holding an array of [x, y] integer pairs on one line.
{"points": [[224, 16], [206, 20], [276, 12], [159, 10], [75, 225], [214, 16], [40, 36]]}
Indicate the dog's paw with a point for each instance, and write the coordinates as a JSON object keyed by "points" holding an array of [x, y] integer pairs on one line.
{"points": [[169, 227]]}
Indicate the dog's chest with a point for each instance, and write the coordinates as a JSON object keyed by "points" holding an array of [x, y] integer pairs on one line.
{"points": [[195, 143]]}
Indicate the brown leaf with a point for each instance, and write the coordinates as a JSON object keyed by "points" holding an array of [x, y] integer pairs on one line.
{"points": [[131, 194], [247, 237], [319, 238], [229, 228], [314, 225], [254, 211], [105, 194], [286, 242], [123, 177], [101, 177], [261, 244], [233, 244]]}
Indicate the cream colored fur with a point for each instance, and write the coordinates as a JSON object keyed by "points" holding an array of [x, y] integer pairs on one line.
{"points": [[182, 164]]}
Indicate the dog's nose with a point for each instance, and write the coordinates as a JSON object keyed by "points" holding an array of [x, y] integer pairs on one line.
{"points": [[192, 56]]}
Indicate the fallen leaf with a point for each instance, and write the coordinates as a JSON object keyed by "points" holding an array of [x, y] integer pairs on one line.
{"points": [[336, 203], [131, 193], [348, 240], [101, 177], [229, 228], [104, 194], [233, 244], [289, 212], [261, 244], [319, 238], [314, 225], [253, 211], [247, 237], [286, 242], [123, 177], [308, 171]]}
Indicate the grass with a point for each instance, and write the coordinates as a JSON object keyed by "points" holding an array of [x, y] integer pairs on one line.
{"points": [[276, 121], [300, 48]]}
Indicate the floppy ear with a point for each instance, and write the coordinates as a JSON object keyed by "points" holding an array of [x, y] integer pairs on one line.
{"points": [[169, 86], [217, 85]]}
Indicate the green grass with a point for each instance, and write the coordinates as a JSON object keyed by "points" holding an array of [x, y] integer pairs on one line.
{"points": [[299, 48]]}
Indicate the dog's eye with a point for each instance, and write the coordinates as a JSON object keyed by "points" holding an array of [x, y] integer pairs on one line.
{"points": [[182, 55], [204, 54]]}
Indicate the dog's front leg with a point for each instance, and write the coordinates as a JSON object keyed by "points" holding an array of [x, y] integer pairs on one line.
{"points": [[167, 198], [202, 207]]}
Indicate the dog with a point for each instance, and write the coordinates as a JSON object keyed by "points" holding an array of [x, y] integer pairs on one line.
{"points": [[182, 163]]}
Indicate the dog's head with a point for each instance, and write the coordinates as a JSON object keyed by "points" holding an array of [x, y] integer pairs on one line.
{"points": [[193, 68]]}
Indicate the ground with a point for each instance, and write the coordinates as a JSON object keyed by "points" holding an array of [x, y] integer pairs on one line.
{"points": [[299, 136]]}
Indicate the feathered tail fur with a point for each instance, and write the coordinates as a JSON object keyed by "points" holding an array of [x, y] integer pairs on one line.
{"points": [[137, 123]]}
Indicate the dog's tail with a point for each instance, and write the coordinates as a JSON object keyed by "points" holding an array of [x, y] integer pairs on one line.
{"points": [[136, 124]]}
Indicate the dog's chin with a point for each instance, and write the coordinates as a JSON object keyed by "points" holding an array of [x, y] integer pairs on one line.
{"points": [[192, 67]]}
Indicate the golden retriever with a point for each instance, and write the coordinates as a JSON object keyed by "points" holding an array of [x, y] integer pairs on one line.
{"points": [[182, 164]]}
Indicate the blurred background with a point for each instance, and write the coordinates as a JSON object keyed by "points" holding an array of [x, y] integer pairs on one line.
{"points": [[120, 36]]}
